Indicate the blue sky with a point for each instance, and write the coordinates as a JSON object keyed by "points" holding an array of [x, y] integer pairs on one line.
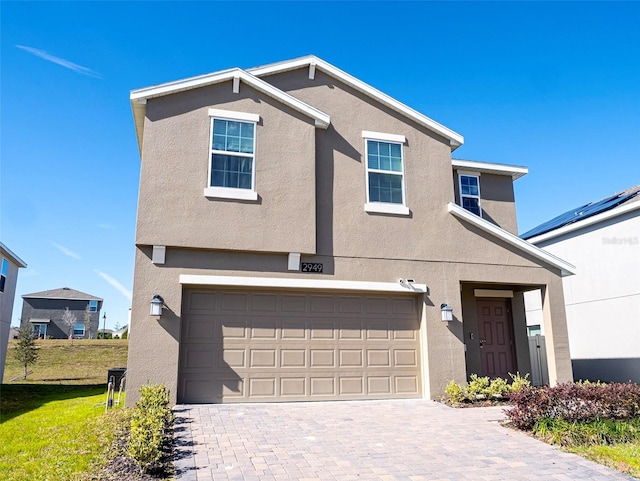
{"points": [[553, 86]]}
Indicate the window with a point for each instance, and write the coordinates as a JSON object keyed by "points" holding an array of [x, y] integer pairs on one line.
{"points": [[40, 331], [232, 161], [78, 330], [93, 306], [3, 274], [470, 193], [385, 173]]}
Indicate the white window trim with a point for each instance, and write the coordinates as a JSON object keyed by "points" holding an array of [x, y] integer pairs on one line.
{"points": [[93, 310], [230, 192], [84, 330], [384, 207], [477, 176]]}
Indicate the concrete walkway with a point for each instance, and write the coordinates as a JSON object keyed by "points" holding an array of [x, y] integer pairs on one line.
{"points": [[369, 440]]}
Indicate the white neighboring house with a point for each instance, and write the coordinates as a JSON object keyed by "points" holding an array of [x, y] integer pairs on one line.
{"points": [[602, 239], [9, 265]]}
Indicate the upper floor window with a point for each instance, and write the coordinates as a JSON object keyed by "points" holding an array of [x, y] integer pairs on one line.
{"points": [[385, 173], [93, 306], [232, 162], [470, 193], [3, 273]]}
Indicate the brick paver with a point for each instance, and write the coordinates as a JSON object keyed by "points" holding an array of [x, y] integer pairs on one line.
{"points": [[408, 440]]}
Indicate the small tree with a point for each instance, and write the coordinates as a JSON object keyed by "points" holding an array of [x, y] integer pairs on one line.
{"points": [[26, 351], [69, 319]]}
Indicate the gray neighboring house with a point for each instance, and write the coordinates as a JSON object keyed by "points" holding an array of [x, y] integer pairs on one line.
{"points": [[602, 301], [43, 312], [310, 238], [9, 265]]}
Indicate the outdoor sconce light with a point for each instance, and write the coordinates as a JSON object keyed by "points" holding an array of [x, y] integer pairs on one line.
{"points": [[157, 303], [447, 313]]}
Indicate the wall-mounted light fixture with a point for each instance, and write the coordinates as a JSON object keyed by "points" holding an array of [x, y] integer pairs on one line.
{"points": [[157, 303], [447, 313]]}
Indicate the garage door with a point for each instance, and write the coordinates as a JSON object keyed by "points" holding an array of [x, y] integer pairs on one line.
{"points": [[239, 346]]}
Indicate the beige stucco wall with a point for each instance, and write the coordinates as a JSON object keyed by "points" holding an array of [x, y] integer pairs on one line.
{"points": [[430, 245], [172, 208], [497, 199]]}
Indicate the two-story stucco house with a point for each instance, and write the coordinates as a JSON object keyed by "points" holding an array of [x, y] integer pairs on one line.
{"points": [[9, 265], [43, 313], [602, 302], [307, 235]]}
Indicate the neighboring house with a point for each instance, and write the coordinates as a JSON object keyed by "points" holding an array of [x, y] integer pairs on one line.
{"points": [[9, 265], [304, 235], [121, 332], [602, 239], [43, 311]]}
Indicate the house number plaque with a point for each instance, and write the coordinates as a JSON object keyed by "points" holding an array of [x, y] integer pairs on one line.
{"points": [[312, 267]]}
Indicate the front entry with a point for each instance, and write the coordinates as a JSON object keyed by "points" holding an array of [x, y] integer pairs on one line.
{"points": [[496, 338]]}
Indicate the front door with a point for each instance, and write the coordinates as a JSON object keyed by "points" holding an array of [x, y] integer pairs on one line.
{"points": [[496, 338]]}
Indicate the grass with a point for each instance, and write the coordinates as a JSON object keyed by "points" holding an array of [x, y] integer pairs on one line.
{"points": [[613, 443], [624, 457], [86, 361], [52, 425]]}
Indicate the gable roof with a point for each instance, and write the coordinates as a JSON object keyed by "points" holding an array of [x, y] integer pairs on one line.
{"points": [[62, 293], [565, 268], [14, 258], [139, 97], [585, 215], [515, 171], [311, 61]]}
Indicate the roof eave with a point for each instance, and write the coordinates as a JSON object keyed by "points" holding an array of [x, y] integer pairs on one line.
{"points": [[565, 268], [455, 139], [14, 258], [139, 97], [515, 171], [610, 214]]}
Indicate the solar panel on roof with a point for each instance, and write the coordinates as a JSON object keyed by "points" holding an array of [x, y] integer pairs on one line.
{"points": [[582, 212]]}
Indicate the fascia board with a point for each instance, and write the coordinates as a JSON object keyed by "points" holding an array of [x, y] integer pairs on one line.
{"points": [[295, 283], [14, 258], [455, 139], [566, 269], [57, 298], [610, 214], [139, 97], [515, 171]]}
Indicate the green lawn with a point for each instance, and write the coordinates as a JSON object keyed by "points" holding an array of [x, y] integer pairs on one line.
{"points": [[85, 361], [52, 425], [623, 457], [52, 432]]}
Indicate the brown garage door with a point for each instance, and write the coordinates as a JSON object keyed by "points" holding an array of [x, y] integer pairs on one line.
{"points": [[240, 346]]}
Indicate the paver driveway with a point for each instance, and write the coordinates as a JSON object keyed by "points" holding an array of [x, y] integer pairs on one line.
{"points": [[381, 440]]}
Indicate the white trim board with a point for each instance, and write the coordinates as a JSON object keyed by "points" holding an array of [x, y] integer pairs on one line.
{"points": [[296, 283], [615, 212], [515, 171], [566, 269], [455, 139]]}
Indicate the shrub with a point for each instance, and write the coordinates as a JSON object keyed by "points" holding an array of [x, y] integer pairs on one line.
{"points": [[597, 432], [519, 382], [455, 392], [477, 387], [574, 402], [150, 420], [498, 387]]}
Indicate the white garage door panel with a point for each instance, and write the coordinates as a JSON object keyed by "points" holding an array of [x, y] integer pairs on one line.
{"points": [[271, 346]]}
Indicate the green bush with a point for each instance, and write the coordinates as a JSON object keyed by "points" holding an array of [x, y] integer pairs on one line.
{"points": [[478, 387], [597, 432], [498, 387], [519, 382], [150, 420], [455, 392]]}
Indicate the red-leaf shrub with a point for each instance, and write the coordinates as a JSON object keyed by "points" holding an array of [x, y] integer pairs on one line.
{"points": [[574, 402]]}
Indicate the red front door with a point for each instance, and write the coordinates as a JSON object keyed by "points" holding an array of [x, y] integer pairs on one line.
{"points": [[496, 338]]}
